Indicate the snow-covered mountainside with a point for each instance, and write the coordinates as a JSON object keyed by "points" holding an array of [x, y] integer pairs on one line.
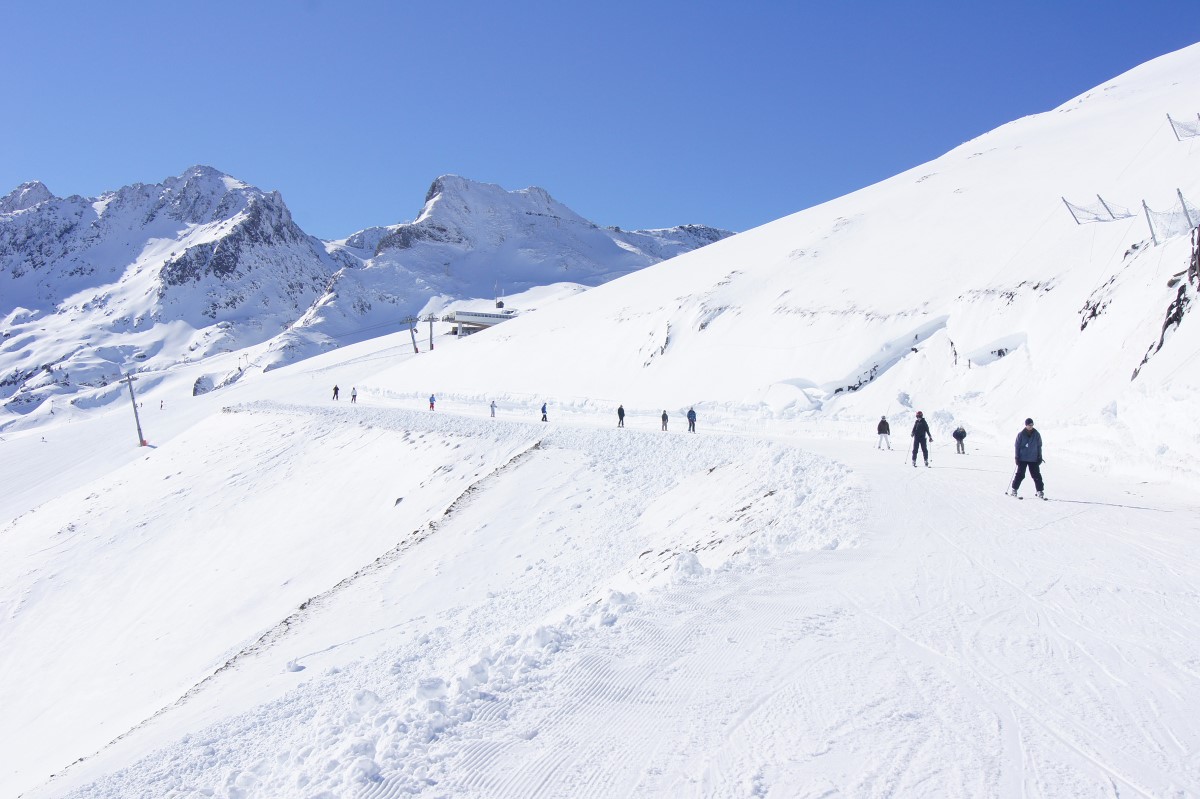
{"points": [[963, 287], [153, 276], [148, 274], [471, 240]]}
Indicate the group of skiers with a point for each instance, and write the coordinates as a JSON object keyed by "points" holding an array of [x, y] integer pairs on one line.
{"points": [[691, 414], [691, 418], [1028, 449]]}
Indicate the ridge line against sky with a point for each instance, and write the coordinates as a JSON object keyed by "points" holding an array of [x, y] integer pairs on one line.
{"points": [[635, 115]]}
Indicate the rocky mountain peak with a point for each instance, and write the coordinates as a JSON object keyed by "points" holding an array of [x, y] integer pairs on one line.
{"points": [[25, 196], [465, 206], [203, 194]]}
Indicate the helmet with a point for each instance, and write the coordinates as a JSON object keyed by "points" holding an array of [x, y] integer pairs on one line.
{"points": [[919, 414]]}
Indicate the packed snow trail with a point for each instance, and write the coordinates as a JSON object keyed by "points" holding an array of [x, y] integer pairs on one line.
{"points": [[587, 508], [969, 651], [1071, 622], [974, 646]]}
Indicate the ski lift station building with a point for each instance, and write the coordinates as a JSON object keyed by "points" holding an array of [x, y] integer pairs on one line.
{"points": [[468, 322]]}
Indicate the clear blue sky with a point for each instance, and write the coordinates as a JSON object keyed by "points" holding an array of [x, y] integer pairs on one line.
{"points": [[637, 114]]}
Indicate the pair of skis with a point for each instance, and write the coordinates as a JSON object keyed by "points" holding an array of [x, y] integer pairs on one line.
{"points": [[1012, 492], [913, 460], [1039, 495]]}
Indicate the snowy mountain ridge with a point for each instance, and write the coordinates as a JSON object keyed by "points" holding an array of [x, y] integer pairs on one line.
{"points": [[470, 240], [171, 273]]}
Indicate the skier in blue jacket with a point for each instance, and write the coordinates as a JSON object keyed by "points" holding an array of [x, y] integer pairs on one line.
{"points": [[1029, 456]]}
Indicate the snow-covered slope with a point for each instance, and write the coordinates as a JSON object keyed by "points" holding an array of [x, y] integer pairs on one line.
{"points": [[297, 599], [963, 287], [285, 596]]}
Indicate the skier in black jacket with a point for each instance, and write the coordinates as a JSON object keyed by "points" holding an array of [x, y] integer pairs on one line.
{"points": [[884, 430], [920, 433]]}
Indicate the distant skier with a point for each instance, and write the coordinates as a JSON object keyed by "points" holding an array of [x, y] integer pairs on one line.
{"points": [[493, 407], [354, 395], [920, 433], [960, 435], [1029, 456], [691, 417], [885, 431], [664, 420], [543, 411], [432, 400], [335, 392], [620, 416]]}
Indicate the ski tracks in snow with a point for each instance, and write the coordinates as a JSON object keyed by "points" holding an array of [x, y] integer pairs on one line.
{"points": [[731, 644], [629, 703], [1068, 629], [651, 513]]}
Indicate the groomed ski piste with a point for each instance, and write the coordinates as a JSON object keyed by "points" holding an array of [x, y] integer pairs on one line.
{"points": [[377, 600], [286, 596]]}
